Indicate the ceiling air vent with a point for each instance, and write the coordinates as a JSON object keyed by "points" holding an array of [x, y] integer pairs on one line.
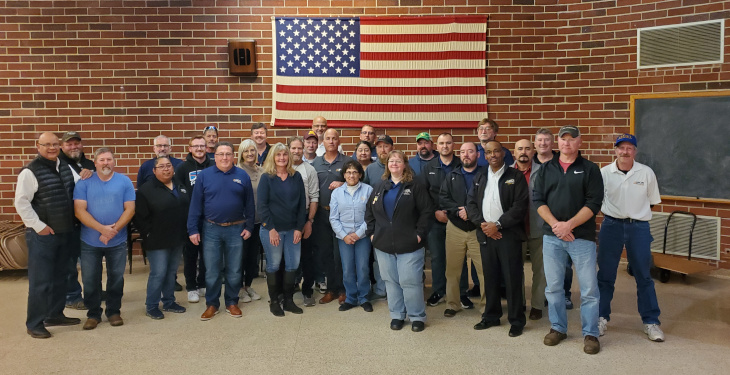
{"points": [[678, 45]]}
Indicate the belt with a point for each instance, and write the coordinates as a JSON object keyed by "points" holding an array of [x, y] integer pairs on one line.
{"points": [[627, 220], [227, 224]]}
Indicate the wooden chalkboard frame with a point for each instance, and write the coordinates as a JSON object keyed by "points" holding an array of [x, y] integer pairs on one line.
{"points": [[676, 95]]}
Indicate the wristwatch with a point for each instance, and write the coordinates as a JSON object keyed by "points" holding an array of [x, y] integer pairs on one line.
{"points": [[498, 225]]}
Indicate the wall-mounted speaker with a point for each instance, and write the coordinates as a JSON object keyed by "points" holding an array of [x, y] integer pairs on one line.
{"points": [[242, 57]]}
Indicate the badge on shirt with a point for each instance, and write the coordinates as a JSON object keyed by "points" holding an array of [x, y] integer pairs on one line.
{"points": [[511, 181], [407, 192], [640, 183], [182, 190], [375, 199], [238, 181]]}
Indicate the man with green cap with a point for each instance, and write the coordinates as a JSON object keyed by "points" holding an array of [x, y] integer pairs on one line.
{"points": [[425, 153]]}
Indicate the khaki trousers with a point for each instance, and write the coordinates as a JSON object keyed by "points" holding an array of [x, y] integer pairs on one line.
{"points": [[458, 245], [538, 272]]}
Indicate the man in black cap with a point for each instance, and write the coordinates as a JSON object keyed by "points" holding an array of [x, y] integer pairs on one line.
{"points": [[374, 171], [72, 152]]}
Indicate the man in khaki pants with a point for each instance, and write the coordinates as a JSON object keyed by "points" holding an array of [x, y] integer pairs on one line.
{"points": [[461, 237]]}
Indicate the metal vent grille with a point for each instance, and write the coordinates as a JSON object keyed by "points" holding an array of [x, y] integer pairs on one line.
{"points": [[677, 45], [705, 240]]}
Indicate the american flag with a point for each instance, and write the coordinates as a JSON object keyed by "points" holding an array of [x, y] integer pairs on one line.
{"points": [[384, 71]]}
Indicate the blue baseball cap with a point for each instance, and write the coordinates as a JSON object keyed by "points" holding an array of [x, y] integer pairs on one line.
{"points": [[626, 137]]}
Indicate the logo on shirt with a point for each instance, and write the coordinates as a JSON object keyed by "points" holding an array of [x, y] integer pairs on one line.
{"points": [[511, 181], [407, 192], [577, 172], [640, 183], [431, 172], [192, 176], [183, 190], [238, 181]]}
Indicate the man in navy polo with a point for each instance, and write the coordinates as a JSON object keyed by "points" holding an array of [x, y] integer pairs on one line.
{"points": [[223, 202]]}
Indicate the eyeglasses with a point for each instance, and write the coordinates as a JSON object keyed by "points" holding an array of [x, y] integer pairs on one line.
{"points": [[162, 146], [224, 155], [197, 146], [50, 145], [164, 166], [484, 129], [367, 133]]}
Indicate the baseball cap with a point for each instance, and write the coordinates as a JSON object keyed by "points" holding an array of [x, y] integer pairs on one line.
{"points": [[311, 134], [423, 135], [569, 129], [384, 138], [70, 135], [626, 137]]}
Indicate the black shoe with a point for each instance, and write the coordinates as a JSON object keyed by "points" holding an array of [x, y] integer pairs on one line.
{"points": [[346, 306], [568, 304], [275, 308], [484, 324], [396, 324], [466, 303], [291, 307], [39, 333], [515, 331], [434, 300], [178, 287], [367, 306], [418, 326], [449, 313], [61, 321], [474, 292]]}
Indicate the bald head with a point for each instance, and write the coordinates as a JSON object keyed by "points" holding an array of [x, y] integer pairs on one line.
{"points": [[524, 152], [319, 125], [331, 141], [49, 146]]}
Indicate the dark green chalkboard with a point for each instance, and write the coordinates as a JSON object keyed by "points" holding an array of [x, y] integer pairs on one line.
{"points": [[686, 141]]}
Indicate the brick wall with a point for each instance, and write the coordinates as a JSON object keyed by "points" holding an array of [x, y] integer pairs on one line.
{"points": [[122, 72]]}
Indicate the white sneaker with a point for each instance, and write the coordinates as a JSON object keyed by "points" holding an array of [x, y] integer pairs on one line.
{"points": [[245, 298], [193, 296], [654, 332], [602, 326], [252, 293], [201, 292], [322, 287]]}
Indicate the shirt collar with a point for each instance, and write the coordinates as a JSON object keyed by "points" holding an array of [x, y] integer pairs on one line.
{"points": [[498, 173]]}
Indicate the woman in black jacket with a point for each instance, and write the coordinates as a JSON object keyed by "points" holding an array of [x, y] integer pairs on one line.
{"points": [[397, 215], [161, 216]]}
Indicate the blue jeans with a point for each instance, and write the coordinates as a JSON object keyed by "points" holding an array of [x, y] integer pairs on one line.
{"points": [[73, 287], [47, 274], [356, 270], [437, 247], [555, 258], [91, 268], [379, 286], [637, 238], [161, 281], [222, 246], [403, 276], [287, 249]]}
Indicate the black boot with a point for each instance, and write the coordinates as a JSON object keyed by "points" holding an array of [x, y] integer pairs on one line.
{"points": [[274, 290], [289, 279]]}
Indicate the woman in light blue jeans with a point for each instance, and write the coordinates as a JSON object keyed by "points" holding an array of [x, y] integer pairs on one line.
{"points": [[347, 216]]}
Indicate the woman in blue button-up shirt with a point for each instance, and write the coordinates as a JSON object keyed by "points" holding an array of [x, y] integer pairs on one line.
{"points": [[347, 216]]}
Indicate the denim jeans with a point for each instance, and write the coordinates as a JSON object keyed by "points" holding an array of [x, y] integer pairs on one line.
{"points": [[437, 248], [222, 246], [250, 257], [287, 249], [556, 253], [73, 287], [637, 238], [379, 284], [161, 281], [403, 276], [356, 270], [47, 275], [193, 266], [91, 268]]}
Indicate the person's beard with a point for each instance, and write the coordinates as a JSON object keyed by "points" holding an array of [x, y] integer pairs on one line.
{"points": [[106, 171]]}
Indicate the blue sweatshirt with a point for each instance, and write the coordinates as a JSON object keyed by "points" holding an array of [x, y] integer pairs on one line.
{"points": [[221, 197], [282, 204]]}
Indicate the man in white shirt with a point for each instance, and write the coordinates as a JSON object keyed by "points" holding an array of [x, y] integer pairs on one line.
{"points": [[630, 189], [319, 126]]}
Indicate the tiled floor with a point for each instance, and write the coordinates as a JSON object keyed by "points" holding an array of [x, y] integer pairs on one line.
{"points": [[695, 316]]}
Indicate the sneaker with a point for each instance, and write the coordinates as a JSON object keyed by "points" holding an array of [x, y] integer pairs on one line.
{"points": [[243, 295], [201, 292], [373, 296], [78, 305], [155, 313], [568, 304], [450, 313], [175, 308], [554, 337], [654, 332], [309, 301], [193, 296], [603, 326], [435, 299], [322, 287], [252, 293], [591, 345], [466, 303]]}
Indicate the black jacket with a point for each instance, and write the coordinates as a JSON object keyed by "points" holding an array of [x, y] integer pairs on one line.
{"points": [[453, 195], [513, 194], [411, 217], [567, 193], [83, 162], [433, 175], [160, 216], [187, 172]]}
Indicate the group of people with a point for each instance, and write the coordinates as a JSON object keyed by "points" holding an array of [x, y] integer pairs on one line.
{"points": [[355, 228]]}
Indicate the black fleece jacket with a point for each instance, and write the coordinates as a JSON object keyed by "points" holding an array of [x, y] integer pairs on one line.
{"points": [[160, 216]]}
